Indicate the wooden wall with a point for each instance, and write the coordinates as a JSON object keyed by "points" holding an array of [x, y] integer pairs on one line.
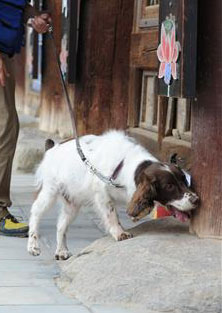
{"points": [[101, 92]]}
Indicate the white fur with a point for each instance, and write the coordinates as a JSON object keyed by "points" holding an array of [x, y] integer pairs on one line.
{"points": [[63, 174], [184, 204]]}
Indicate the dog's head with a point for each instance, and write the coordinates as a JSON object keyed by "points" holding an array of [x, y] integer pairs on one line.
{"points": [[165, 184]]}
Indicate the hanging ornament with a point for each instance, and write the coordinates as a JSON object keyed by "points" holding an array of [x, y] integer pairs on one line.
{"points": [[168, 52]]}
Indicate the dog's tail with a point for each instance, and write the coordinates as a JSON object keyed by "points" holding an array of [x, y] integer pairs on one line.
{"points": [[49, 144]]}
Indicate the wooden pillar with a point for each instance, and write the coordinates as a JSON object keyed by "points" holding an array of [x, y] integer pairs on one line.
{"points": [[207, 122], [54, 116], [101, 90]]}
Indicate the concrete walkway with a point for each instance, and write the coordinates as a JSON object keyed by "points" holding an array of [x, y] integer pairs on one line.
{"points": [[27, 283]]}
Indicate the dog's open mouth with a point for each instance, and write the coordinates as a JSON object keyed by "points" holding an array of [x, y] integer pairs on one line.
{"points": [[179, 215], [162, 211]]}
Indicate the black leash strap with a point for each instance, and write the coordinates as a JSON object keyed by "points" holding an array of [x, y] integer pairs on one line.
{"points": [[93, 170]]}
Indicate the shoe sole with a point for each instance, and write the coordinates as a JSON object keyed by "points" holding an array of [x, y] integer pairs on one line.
{"points": [[14, 235]]}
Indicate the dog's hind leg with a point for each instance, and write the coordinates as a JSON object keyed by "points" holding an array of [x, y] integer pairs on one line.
{"points": [[67, 215], [110, 218], [44, 201]]}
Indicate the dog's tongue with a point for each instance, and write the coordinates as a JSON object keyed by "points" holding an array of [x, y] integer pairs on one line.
{"points": [[162, 211], [182, 217]]}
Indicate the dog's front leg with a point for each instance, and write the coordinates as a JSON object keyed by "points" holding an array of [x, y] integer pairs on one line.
{"points": [[110, 218]]}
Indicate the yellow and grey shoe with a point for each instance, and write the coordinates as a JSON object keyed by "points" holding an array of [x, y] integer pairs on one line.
{"points": [[10, 226]]}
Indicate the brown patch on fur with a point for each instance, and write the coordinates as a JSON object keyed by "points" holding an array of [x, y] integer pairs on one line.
{"points": [[125, 236], [140, 171], [156, 183], [146, 191], [143, 197]]}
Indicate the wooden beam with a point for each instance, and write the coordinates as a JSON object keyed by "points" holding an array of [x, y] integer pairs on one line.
{"points": [[143, 50], [207, 123], [184, 12], [162, 117]]}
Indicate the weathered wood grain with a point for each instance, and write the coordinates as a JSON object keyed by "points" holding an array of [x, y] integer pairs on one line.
{"points": [[207, 123], [163, 106], [53, 115], [143, 49], [101, 92], [135, 87]]}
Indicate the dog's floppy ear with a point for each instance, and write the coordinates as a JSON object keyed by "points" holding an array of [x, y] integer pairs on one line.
{"points": [[145, 194], [145, 180], [141, 169]]}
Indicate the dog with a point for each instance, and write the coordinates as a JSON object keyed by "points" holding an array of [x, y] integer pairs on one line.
{"points": [[144, 179]]}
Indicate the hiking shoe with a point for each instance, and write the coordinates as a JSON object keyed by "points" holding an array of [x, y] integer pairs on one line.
{"points": [[10, 226]]}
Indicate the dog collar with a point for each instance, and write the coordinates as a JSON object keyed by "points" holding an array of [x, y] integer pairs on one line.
{"points": [[117, 170]]}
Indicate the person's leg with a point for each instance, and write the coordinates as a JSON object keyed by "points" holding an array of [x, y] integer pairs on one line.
{"points": [[9, 128]]}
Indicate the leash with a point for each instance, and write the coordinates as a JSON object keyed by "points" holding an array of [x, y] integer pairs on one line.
{"points": [[107, 180]]}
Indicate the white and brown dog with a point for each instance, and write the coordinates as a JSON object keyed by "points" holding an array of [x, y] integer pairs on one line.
{"points": [[145, 180]]}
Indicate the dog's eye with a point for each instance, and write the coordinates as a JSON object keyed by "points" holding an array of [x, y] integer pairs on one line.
{"points": [[169, 187]]}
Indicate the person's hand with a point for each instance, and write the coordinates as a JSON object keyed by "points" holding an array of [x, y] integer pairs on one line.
{"points": [[3, 72], [41, 23]]}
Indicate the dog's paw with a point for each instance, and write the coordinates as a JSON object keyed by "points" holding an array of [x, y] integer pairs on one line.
{"points": [[33, 246], [124, 236], [63, 255], [34, 249]]}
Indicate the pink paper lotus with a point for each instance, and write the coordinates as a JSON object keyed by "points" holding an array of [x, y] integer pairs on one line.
{"points": [[168, 53]]}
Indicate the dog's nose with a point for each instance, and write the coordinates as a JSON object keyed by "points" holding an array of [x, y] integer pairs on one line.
{"points": [[194, 199]]}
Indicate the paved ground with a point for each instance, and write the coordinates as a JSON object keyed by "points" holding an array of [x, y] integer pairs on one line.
{"points": [[27, 283]]}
